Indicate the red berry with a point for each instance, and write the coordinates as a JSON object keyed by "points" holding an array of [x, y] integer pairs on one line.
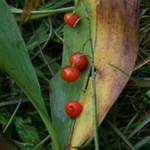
{"points": [[79, 60], [73, 108], [71, 19], [69, 73]]}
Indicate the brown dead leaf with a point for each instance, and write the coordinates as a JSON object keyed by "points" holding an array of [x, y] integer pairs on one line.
{"points": [[114, 26], [6, 144]]}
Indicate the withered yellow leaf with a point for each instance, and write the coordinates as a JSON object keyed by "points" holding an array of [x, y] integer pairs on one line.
{"points": [[29, 5], [114, 27]]}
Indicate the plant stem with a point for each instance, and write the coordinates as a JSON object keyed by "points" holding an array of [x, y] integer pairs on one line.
{"points": [[41, 13], [94, 107], [41, 143], [50, 128], [94, 103]]}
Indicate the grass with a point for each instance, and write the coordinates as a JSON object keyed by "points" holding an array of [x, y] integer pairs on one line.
{"points": [[127, 124]]}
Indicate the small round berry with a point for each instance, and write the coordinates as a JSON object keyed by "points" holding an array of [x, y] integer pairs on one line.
{"points": [[71, 19], [79, 60], [73, 108], [70, 73]]}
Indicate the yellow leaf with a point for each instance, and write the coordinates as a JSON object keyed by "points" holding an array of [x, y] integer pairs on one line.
{"points": [[29, 5], [114, 27]]}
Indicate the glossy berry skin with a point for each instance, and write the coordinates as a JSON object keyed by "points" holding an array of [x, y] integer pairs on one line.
{"points": [[73, 108], [70, 73], [71, 19], [79, 60]]}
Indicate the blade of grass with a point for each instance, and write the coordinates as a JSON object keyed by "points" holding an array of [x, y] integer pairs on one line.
{"points": [[12, 116], [42, 142], [54, 4], [139, 127], [119, 69], [12, 102], [117, 131], [131, 121], [142, 143]]}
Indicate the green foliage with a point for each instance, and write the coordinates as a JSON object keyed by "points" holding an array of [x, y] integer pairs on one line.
{"points": [[27, 132], [4, 116], [128, 116], [15, 60]]}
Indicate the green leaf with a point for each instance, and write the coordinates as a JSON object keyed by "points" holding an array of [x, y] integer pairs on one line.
{"points": [[27, 132], [75, 39], [14, 58], [4, 116]]}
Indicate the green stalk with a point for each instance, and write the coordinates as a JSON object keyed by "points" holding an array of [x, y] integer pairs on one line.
{"points": [[35, 14], [44, 116], [94, 103], [41, 143]]}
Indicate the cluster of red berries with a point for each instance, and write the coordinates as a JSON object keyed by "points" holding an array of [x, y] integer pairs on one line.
{"points": [[71, 73], [78, 61]]}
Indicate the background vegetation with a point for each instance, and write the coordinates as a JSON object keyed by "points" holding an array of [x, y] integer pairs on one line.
{"points": [[127, 123]]}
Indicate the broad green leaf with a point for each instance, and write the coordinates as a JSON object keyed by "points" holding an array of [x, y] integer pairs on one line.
{"points": [[113, 28], [14, 58], [27, 132], [62, 91]]}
